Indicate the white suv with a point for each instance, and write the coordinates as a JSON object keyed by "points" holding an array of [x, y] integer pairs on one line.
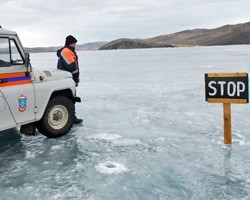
{"points": [[31, 98]]}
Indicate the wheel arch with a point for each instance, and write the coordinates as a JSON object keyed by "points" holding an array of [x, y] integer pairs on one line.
{"points": [[66, 92]]}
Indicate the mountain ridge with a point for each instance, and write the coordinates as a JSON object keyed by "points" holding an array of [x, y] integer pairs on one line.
{"points": [[224, 35]]}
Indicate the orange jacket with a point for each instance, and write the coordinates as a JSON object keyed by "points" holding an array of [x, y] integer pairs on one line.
{"points": [[68, 61]]}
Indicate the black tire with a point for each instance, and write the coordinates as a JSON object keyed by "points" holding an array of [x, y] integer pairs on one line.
{"points": [[58, 117]]}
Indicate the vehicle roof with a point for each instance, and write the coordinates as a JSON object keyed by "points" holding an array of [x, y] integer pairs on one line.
{"points": [[6, 32]]}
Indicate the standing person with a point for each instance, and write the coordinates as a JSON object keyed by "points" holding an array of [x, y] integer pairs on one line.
{"points": [[68, 61]]}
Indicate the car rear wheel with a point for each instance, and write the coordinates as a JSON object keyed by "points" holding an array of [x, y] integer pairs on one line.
{"points": [[58, 117]]}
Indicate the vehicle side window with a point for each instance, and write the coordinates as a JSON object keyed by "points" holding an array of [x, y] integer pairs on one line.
{"points": [[4, 52], [16, 58]]}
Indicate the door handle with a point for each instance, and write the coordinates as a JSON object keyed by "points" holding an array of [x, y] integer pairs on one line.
{"points": [[3, 81]]}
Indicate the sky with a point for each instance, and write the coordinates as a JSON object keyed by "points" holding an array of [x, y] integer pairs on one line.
{"points": [[48, 22]]}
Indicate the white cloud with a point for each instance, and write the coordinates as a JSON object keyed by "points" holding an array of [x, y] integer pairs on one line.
{"points": [[46, 23]]}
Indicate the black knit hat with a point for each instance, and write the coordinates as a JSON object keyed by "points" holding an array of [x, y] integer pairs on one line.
{"points": [[70, 40]]}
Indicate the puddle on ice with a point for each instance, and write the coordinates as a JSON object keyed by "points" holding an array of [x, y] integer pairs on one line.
{"points": [[110, 167]]}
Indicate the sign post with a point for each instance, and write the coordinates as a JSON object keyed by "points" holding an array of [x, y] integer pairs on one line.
{"points": [[227, 88], [227, 123]]}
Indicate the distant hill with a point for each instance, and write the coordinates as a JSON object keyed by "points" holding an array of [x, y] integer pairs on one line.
{"points": [[225, 35], [90, 46], [132, 44], [82, 47]]}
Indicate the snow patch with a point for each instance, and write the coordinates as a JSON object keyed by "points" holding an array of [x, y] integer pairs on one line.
{"points": [[240, 139], [126, 142], [30, 155], [105, 137], [110, 167], [56, 147], [115, 140]]}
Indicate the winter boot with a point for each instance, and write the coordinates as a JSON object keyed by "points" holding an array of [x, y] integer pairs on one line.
{"points": [[77, 121]]}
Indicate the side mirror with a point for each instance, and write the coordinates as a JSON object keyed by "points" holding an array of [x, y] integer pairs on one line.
{"points": [[27, 60]]}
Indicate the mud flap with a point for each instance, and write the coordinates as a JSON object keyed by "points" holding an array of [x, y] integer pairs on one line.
{"points": [[28, 129]]}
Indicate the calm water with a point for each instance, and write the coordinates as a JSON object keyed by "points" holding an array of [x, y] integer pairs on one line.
{"points": [[148, 133]]}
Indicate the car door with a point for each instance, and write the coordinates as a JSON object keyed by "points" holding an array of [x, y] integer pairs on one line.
{"points": [[15, 82], [6, 118]]}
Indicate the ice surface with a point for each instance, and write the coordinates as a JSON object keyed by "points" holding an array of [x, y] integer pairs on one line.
{"points": [[148, 133]]}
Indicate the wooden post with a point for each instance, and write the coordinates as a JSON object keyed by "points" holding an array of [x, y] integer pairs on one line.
{"points": [[227, 123]]}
